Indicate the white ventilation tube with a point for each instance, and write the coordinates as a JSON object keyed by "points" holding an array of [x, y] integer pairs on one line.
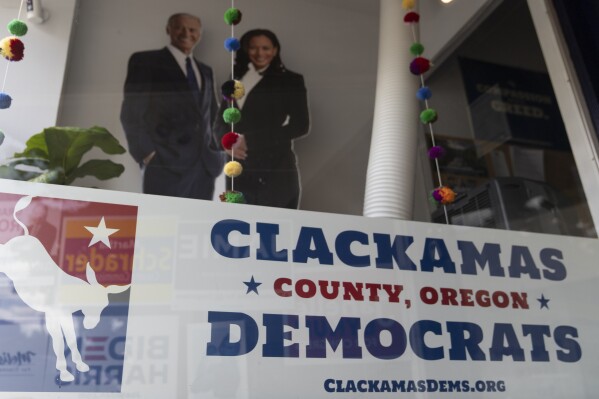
{"points": [[392, 161]]}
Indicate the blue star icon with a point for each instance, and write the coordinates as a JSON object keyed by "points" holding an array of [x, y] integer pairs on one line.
{"points": [[252, 286], [544, 301]]}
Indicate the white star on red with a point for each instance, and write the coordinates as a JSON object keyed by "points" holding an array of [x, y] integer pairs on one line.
{"points": [[100, 233]]}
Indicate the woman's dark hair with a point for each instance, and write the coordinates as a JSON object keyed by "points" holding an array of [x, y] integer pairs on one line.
{"points": [[242, 59]]}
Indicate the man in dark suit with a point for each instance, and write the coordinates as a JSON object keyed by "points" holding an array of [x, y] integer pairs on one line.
{"points": [[167, 114]]}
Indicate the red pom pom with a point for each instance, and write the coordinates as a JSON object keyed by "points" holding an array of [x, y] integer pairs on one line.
{"points": [[12, 48], [419, 65], [228, 140], [411, 17]]}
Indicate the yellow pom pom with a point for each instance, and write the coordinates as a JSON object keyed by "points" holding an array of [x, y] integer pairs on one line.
{"points": [[233, 169], [239, 90], [408, 4]]}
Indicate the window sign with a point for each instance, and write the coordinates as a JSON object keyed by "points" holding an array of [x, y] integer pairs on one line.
{"points": [[153, 297]]}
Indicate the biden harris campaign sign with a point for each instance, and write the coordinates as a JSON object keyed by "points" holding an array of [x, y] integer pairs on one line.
{"points": [[65, 269], [135, 296]]}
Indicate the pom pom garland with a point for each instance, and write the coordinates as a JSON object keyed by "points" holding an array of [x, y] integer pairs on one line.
{"points": [[233, 169], [231, 115], [419, 65], [232, 44], [12, 48], [17, 27], [232, 16], [428, 116], [436, 152], [424, 93], [233, 197], [5, 100], [232, 90], [443, 195], [411, 18], [228, 140], [417, 49]]}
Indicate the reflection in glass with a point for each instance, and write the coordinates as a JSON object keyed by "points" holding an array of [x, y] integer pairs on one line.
{"points": [[508, 155]]}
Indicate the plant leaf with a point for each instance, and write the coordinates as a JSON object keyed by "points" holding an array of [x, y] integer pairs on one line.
{"points": [[85, 139], [102, 169], [41, 163], [51, 176], [81, 143], [62, 148], [34, 147], [58, 141], [9, 172], [104, 140]]}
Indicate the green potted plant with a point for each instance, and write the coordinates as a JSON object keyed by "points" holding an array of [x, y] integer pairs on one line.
{"points": [[54, 156]]}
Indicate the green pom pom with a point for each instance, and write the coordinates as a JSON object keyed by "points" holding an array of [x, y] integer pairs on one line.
{"points": [[232, 115], [432, 201], [428, 116], [234, 197], [232, 16], [417, 49], [17, 28]]}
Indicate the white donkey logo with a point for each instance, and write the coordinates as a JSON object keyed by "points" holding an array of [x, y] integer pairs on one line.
{"points": [[45, 287]]}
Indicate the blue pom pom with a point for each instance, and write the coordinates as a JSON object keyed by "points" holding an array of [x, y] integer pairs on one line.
{"points": [[424, 93], [232, 44], [5, 100]]}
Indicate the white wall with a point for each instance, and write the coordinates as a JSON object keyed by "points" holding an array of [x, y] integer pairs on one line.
{"points": [[442, 26], [333, 43], [35, 83]]}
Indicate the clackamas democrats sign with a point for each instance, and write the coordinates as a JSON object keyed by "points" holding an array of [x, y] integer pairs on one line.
{"points": [[213, 300]]}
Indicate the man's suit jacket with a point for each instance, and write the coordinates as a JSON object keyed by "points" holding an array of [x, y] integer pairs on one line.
{"points": [[159, 113]]}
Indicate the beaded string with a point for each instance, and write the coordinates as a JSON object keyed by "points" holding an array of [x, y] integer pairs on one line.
{"points": [[232, 35], [12, 48], [231, 101], [442, 195], [232, 90]]}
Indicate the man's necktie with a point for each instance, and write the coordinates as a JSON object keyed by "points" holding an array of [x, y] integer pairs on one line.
{"points": [[192, 79]]}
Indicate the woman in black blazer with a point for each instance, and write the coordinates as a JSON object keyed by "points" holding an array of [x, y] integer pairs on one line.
{"points": [[274, 112]]}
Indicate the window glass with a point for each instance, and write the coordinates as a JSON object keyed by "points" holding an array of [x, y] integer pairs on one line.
{"points": [[332, 155], [508, 157]]}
